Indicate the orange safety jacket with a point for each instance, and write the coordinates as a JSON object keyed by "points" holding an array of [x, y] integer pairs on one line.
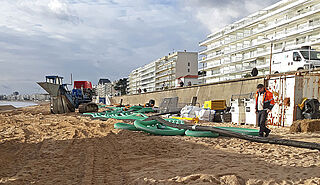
{"points": [[268, 101]]}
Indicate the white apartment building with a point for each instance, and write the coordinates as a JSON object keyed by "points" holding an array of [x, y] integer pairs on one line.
{"points": [[163, 72], [235, 50], [134, 81], [104, 88], [173, 66], [147, 80]]}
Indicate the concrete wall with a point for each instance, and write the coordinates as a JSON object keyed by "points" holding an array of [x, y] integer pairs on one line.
{"points": [[206, 92]]}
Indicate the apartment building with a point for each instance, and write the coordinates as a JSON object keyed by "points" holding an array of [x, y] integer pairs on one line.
{"points": [[104, 88], [162, 73], [235, 50], [134, 81], [173, 66], [147, 80]]}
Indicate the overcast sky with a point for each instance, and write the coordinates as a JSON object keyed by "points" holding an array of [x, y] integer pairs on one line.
{"points": [[102, 38]]}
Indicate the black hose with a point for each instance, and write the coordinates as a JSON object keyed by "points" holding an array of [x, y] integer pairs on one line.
{"points": [[286, 142], [159, 114]]}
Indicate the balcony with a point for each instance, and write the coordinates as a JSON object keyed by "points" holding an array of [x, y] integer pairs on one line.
{"points": [[212, 37], [210, 57], [146, 77], [211, 47], [314, 10], [164, 68], [213, 75], [261, 16], [163, 80], [165, 74], [147, 81]]}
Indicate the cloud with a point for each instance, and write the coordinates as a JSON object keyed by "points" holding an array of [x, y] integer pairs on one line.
{"points": [[216, 14], [101, 38]]}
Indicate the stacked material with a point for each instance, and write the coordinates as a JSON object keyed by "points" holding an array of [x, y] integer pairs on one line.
{"points": [[156, 128], [120, 112]]}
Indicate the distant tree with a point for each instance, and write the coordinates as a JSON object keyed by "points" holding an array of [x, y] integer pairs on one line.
{"points": [[121, 86]]}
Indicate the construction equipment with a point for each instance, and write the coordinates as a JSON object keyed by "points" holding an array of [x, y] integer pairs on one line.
{"points": [[151, 103], [215, 105], [311, 109], [64, 101], [194, 120]]}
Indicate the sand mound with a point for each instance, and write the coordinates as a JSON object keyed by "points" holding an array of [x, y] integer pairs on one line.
{"points": [[41, 148], [195, 179], [307, 125], [230, 179], [35, 124]]}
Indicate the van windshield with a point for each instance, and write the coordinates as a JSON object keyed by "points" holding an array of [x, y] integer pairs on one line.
{"points": [[315, 55]]}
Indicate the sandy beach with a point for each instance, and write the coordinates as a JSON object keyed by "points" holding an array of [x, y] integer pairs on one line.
{"points": [[37, 147]]}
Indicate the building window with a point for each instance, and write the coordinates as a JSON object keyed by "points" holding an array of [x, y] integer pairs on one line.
{"points": [[310, 22], [189, 64], [188, 70]]}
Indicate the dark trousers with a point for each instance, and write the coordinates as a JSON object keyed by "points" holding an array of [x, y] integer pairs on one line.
{"points": [[262, 118]]}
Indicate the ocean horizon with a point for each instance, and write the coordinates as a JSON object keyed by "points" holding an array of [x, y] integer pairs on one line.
{"points": [[18, 104]]}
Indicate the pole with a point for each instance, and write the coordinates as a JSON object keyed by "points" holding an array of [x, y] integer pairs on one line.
{"points": [[270, 58], [71, 80], [202, 73], [309, 58]]}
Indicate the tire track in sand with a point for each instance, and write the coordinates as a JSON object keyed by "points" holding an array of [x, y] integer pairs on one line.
{"points": [[102, 162]]}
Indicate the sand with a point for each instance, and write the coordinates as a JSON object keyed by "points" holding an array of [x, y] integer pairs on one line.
{"points": [[39, 148], [307, 125], [6, 108]]}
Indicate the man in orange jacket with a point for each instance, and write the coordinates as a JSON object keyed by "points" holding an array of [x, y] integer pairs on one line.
{"points": [[264, 104]]}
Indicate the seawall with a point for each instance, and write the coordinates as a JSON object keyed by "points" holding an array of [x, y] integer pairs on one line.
{"points": [[214, 91]]}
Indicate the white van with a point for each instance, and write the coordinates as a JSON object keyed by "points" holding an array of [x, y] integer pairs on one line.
{"points": [[294, 60]]}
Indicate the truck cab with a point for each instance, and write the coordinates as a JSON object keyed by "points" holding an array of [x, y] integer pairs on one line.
{"points": [[295, 60]]}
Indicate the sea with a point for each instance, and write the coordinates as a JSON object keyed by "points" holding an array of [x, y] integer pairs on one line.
{"points": [[18, 104]]}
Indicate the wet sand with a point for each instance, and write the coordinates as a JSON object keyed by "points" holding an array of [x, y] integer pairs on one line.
{"points": [[6, 108], [37, 147]]}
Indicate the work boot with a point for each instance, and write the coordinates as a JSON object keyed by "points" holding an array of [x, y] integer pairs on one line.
{"points": [[267, 133]]}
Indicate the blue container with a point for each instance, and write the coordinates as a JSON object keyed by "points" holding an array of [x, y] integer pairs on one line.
{"points": [[102, 100]]}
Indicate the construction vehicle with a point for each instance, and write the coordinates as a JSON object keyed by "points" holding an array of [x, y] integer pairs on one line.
{"points": [[65, 101]]}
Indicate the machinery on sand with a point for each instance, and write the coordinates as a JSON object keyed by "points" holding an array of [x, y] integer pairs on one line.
{"points": [[64, 100]]}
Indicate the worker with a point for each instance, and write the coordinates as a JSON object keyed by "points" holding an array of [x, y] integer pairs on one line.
{"points": [[163, 85], [181, 83], [264, 104]]}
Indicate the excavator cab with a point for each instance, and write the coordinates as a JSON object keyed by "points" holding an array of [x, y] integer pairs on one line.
{"points": [[54, 79]]}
